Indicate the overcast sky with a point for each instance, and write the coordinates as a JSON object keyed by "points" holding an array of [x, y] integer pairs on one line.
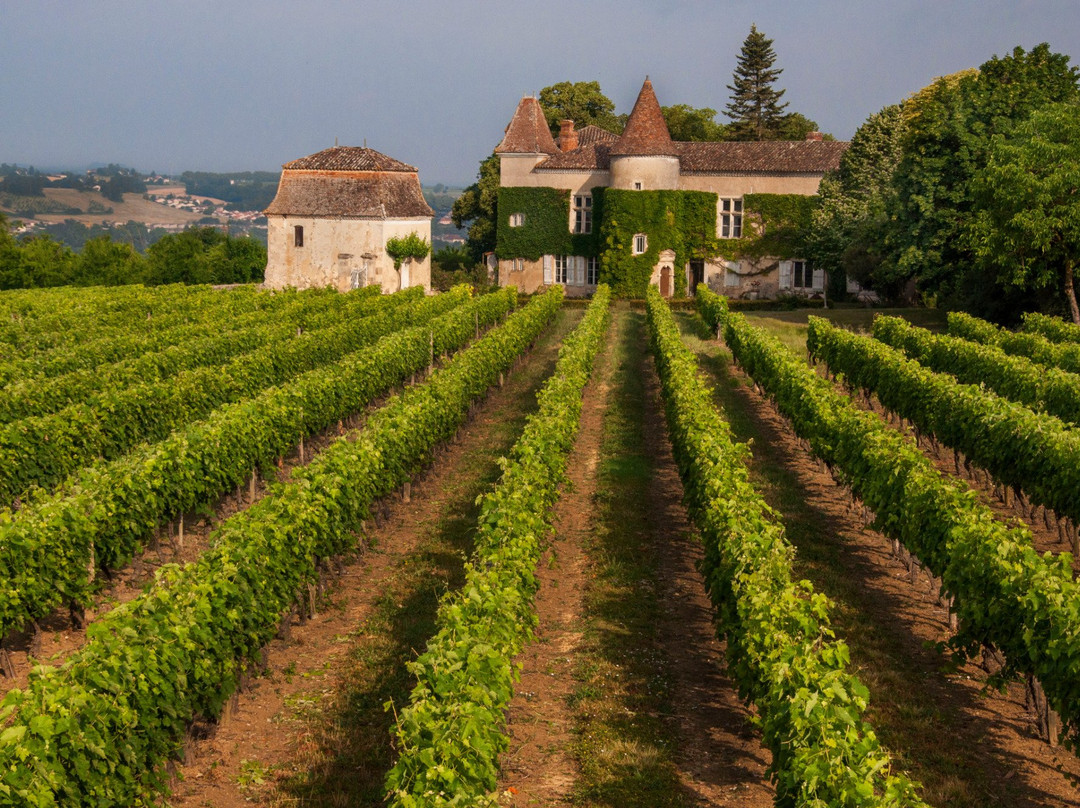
{"points": [[233, 85]]}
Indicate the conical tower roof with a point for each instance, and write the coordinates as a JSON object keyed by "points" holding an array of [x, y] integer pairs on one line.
{"points": [[527, 132], [646, 133]]}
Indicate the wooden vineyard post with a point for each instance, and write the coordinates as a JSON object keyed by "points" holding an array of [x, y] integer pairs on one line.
{"points": [[476, 316], [180, 533], [7, 667], [431, 354], [406, 492], [251, 488]]}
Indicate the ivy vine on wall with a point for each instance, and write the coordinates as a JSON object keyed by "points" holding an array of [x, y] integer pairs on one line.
{"points": [[411, 246], [681, 221]]}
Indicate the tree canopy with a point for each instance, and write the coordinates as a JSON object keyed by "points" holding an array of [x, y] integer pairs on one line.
{"points": [[948, 130], [1026, 225], [755, 109], [583, 102]]}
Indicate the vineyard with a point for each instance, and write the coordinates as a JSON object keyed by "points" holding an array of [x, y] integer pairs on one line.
{"points": [[312, 548]]}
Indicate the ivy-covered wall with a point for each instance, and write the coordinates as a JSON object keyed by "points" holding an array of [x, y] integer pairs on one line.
{"points": [[774, 225], [682, 221], [546, 229]]}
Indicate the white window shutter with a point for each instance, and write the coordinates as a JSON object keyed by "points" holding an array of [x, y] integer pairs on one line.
{"points": [[580, 270], [785, 274], [547, 269], [819, 280]]}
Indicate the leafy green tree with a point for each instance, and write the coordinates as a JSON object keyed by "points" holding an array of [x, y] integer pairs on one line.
{"points": [[848, 226], [477, 208], [412, 247], [181, 257], [755, 109], [46, 262], [104, 262], [235, 260], [10, 264], [796, 126], [1026, 225], [688, 123], [583, 102], [949, 127]]}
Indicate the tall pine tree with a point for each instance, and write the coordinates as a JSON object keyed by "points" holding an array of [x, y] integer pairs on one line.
{"points": [[755, 108]]}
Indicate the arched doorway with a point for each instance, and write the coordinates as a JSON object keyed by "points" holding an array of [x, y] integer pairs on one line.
{"points": [[665, 281]]}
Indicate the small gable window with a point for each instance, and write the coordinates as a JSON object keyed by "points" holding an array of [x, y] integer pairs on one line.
{"points": [[517, 219], [637, 186], [641, 244], [298, 236]]}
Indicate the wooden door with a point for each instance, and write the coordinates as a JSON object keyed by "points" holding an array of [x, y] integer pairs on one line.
{"points": [[665, 281]]}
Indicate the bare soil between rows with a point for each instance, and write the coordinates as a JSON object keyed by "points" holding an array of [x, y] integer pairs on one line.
{"points": [[970, 745]]}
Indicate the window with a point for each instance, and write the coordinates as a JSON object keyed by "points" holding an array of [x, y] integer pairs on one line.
{"points": [[592, 272], [583, 213], [560, 269], [517, 219], [519, 265], [637, 185], [802, 277], [731, 278], [641, 244], [298, 236], [730, 218]]}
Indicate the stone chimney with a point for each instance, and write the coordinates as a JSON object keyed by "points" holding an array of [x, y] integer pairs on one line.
{"points": [[816, 136], [567, 136]]}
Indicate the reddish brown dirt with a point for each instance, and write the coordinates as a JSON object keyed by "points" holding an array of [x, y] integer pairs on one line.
{"points": [[59, 636], [537, 768], [1046, 535], [267, 728], [970, 746], [720, 757]]}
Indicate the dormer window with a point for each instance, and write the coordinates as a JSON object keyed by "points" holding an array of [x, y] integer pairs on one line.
{"points": [[641, 244], [298, 236], [517, 219]]}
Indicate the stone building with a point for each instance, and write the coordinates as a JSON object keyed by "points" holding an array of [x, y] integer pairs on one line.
{"points": [[332, 216], [644, 158]]}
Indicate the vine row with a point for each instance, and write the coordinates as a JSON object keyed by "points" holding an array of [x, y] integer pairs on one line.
{"points": [[1005, 595], [50, 551], [42, 450], [1017, 378], [452, 731], [1034, 346], [1053, 328], [781, 651], [152, 363], [96, 730], [1029, 451]]}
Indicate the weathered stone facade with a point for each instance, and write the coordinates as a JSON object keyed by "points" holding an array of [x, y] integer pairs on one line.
{"points": [[332, 216]]}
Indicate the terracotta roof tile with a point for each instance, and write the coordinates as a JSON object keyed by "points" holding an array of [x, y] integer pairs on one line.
{"points": [[349, 158], [391, 194], [527, 132], [646, 133], [587, 135], [594, 156], [765, 157]]}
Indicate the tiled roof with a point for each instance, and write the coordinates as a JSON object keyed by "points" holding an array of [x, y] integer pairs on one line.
{"points": [[391, 194], [594, 156], [646, 133], [527, 132], [349, 158], [587, 135], [766, 157]]}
